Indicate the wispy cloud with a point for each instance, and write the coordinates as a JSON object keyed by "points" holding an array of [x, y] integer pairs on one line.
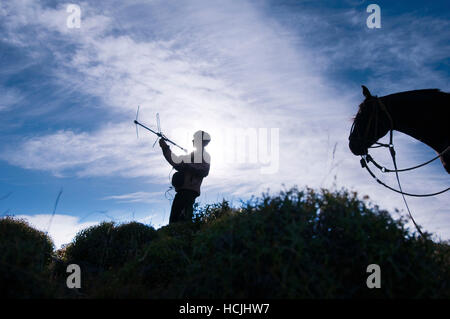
{"points": [[114, 150], [8, 98], [137, 197]]}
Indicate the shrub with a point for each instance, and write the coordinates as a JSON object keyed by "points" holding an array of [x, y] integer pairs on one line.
{"points": [[108, 246], [25, 254], [303, 244], [157, 273], [297, 244]]}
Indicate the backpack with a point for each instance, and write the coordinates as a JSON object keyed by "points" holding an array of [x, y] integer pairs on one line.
{"points": [[178, 179]]}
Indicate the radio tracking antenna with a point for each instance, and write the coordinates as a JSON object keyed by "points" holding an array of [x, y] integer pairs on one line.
{"points": [[135, 121], [158, 133], [158, 124]]}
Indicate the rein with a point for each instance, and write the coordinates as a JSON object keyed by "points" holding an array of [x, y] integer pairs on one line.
{"points": [[364, 163], [365, 159], [388, 170]]}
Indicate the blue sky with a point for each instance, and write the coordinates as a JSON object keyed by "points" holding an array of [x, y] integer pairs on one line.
{"points": [[68, 98]]}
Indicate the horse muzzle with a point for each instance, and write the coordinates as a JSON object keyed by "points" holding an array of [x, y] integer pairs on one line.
{"points": [[357, 148]]}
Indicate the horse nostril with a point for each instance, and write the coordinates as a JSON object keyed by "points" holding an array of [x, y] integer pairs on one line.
{"points": [[357, 149]]}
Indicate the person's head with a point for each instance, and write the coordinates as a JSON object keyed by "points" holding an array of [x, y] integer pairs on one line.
{"points": [[201, 139]]}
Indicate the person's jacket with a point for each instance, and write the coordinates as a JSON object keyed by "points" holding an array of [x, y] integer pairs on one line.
{"points": [[194, 166]]}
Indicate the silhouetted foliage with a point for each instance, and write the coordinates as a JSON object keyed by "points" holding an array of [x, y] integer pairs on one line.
{"points": [[25, 254], [309, 245], [297, 244], [107, 245]]}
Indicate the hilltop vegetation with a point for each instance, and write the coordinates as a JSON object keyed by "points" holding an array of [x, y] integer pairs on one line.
{"points": [[25, 257], [296, 244]]}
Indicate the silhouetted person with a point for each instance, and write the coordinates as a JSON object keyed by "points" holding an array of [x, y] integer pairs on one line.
{"points": [[191, 169]]}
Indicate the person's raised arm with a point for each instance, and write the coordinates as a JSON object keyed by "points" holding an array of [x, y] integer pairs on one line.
{"points": [[173, 159]]}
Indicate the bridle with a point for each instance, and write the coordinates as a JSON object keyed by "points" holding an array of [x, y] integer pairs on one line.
{"points": [[367, 158]]}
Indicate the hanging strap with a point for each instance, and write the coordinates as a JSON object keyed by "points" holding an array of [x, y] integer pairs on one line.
{"points": [[400, 187]]}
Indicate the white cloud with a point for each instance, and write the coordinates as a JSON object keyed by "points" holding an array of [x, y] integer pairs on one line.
{"points": [[137, 197], [62, 229]]}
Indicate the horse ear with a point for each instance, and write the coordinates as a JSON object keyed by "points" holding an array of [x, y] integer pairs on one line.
{"points": [[366, 92]]}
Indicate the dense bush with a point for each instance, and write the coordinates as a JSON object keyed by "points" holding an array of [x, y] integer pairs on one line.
{"points": [[100, 248], [162, 266], [106, 245], [307, 245], [297, 244], [25, 254]]}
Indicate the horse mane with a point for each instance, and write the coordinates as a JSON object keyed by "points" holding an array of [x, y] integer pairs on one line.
{"points": [[413, 94], [417, 93]]}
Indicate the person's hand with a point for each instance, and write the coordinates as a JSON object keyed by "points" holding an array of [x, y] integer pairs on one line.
{"points": [[163, 143]]}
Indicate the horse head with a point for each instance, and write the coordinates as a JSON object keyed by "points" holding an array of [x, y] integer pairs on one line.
{"points": [[369, 125]]}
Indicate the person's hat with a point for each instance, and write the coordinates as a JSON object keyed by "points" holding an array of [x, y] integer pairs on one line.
{"points": [[202, 136]]}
